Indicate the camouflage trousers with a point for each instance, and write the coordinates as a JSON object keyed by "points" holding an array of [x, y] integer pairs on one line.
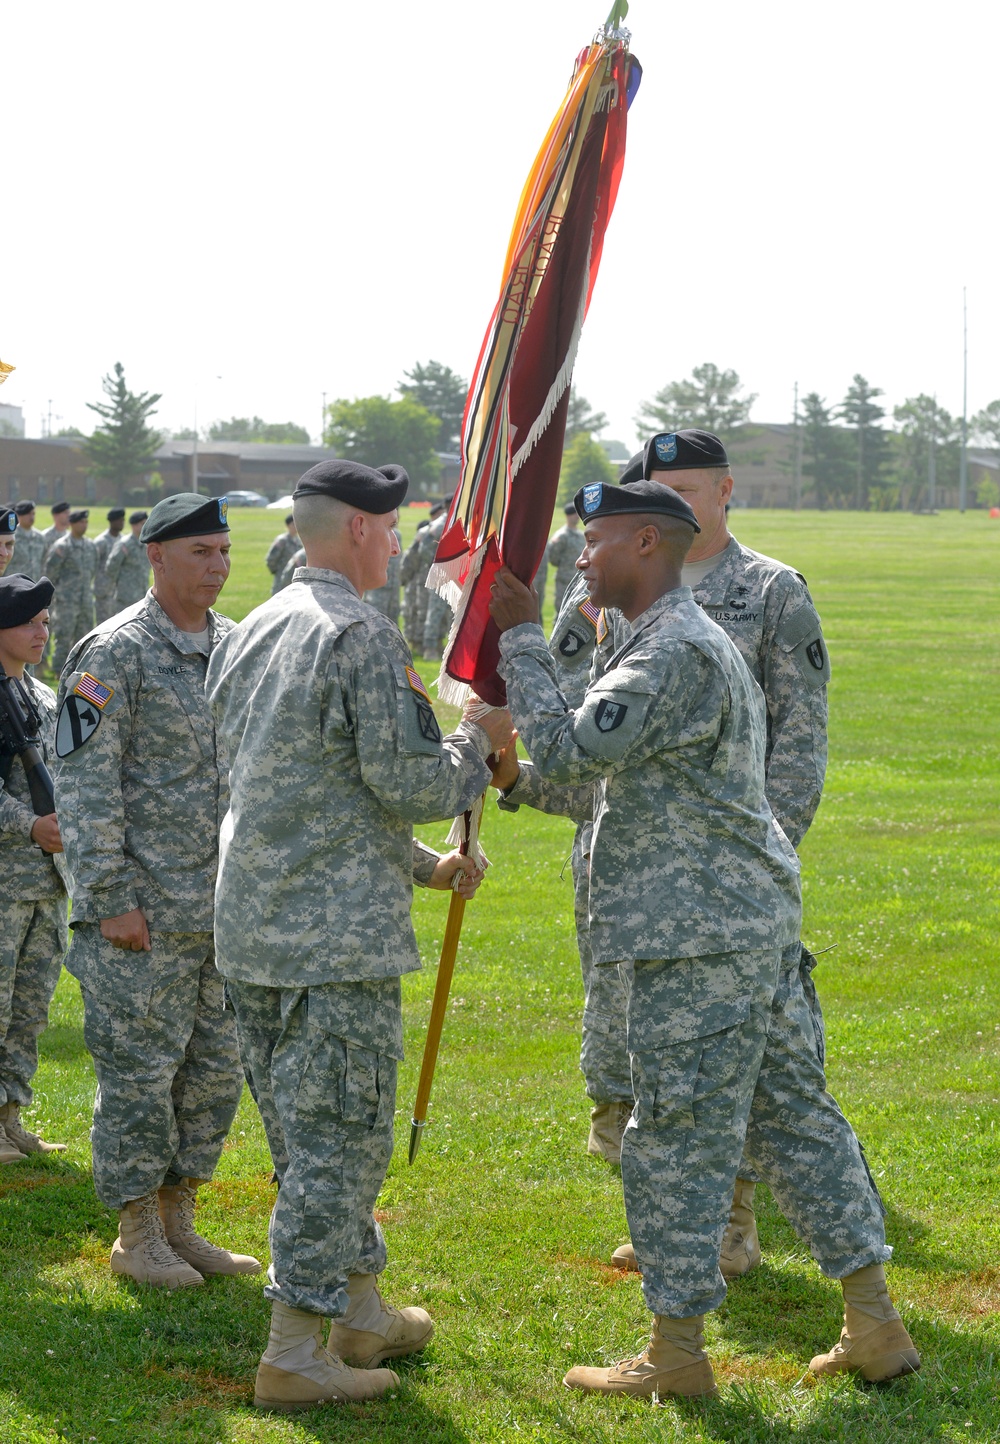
{"points": [[604, 1057], [106, 606], [166, 1058], [72, 618], [322, 1066], [437, 620], [32, 943], [717, 1063]]}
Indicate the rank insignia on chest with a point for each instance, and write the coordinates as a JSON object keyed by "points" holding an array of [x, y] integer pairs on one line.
{"points": [[94, 691]]}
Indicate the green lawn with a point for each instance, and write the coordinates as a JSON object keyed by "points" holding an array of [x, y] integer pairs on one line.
{"points": [[503, 1227]]}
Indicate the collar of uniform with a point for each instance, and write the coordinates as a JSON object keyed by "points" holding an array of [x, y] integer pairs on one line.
{"points": [[185, 642], [714, 589], [323, 574], [663, 604]]}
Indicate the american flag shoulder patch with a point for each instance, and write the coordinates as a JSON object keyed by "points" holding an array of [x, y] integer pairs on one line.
{"points": [[414, 680], [592, 613], [94, 691]]}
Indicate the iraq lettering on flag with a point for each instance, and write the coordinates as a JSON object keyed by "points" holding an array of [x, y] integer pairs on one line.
{"points": [[515, 413]]}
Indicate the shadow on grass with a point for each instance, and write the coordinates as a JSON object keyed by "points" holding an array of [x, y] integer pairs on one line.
{"points": [[62, 1043], [132, 1365]]}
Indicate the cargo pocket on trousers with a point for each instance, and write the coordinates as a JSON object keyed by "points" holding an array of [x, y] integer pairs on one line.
{"points": [[361, 1087], [664, 1085]]}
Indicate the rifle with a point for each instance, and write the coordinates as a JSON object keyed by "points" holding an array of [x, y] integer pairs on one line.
{"points": [[20, 736]]}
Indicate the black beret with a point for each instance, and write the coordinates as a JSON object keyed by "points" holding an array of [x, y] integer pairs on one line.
{"points": [[21, 598], [59, 507], [23, 507], [682, 451], [137, 516], [117, 513], [8, 519], [603, 499], [569, 509], [289, 517], [372, 489], [81, 515], [186, 514]]}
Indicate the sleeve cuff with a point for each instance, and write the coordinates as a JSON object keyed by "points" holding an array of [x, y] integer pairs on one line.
{"points": [[91, 906], [425, 860]]}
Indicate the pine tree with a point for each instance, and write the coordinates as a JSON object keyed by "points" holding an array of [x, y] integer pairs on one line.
{"points": [[710, 400], [860, 410], [580, 420], [122, 448], [439, 390]]}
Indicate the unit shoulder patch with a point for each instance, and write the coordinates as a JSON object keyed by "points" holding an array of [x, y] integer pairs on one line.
{"points": [[76, 723]]}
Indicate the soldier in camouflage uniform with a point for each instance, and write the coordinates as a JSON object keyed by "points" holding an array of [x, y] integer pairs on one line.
{"points": [[104, 587], [59, 528], [29, 543], [8, 526], [694, 895], [291, 566], [411, 579], [280, 553], [433, 611], [139, 793], [562, 552], [386, 599], [71, 566], [334, 753], [128, 565], [33, 909]]}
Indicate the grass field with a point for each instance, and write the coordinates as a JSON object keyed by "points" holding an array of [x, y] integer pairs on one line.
{"points": [[504, 1225]]}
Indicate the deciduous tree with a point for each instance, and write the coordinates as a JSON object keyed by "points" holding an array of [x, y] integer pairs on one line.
{"points": [[375, 430], [253, 428], [442, 392], [709, 399], [583, 462]]}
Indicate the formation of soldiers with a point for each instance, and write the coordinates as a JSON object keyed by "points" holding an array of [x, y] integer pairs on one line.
{"points": [[234, 812], [93, 579]]}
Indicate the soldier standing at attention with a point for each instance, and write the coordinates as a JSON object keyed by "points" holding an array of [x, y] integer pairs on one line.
{"points": [[29, 544], [694, 894], [71, 565], [334, 753], [8, 526], [280, 553], [128, 565], [33, 909], [139, 793], [414, 597], [562, 551], [293, 564], [386, 599], [104, 587], [59, 527]]}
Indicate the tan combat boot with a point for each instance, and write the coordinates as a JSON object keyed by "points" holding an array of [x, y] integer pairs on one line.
{"points": [[740, 1245], [8, 1152], [624, 1258], [373, 1330], [608, 1122], [296, 1372], [874, 1342], [177, 1202], [25, 1142], [674, 1362], [141, 1250]]}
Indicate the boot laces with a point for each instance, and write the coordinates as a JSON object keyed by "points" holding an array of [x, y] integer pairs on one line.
{"points": [[154, 1240]]}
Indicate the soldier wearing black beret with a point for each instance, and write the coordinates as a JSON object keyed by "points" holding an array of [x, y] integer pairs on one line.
{"points": [[33, 897], [8, 526], [104, 585]]}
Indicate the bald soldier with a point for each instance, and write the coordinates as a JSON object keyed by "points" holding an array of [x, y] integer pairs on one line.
{"points": [[334, 753], [139, 794], [694, 896]]}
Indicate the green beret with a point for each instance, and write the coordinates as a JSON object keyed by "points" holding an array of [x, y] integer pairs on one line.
{"points": [[185, 514]]}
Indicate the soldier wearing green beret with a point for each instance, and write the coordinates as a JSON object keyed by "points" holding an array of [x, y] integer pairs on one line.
{"points": [[71, 566], [139, 792], [128, 565]]}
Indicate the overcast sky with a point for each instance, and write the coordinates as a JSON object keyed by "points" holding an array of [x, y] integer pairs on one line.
{"points": [[250, 205]]}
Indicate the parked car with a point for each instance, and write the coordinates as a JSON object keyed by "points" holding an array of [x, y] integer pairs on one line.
{"points": [[246, 498], [284, 503]]}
